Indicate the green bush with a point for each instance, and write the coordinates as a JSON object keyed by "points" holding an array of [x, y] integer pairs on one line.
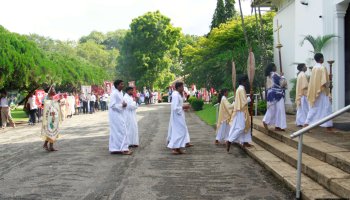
{"points": [[293, 90], [214, 100], [164, 98], [197, 104], [191, 99], [262, 107]]}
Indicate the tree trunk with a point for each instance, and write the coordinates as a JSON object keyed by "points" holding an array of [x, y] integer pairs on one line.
{"points": [[243, 25]]}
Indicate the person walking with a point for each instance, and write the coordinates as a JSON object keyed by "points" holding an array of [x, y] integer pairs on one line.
{"points": [[5, 111]]}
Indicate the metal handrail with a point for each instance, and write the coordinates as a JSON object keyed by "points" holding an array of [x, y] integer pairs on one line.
{"points": [[300, 134]]}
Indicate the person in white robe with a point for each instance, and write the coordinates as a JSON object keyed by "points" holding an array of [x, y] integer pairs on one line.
{"points": [[301, 96], [118, 139], [130, 118], [318, 94], [178, 135], [225, 112], [276, 113], [240, 131]]}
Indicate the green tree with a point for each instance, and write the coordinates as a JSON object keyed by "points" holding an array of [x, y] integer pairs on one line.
{"points": [[207, 62], [147, 50], [30, 62], [114, 39], [97, 37], [230, 11], [219, 16]]}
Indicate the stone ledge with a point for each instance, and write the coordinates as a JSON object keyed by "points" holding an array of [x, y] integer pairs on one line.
{"points": [[320, 171], [333, 155], [286, 173]]}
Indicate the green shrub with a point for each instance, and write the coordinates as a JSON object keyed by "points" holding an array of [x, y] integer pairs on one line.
{"points": [[191, 99], [262, 107], [197, 104], [293, 90], [164, 98], [214, 100]]}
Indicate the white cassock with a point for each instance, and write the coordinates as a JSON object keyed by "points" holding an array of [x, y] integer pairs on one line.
{"points": [[178, 134], [240, 131], [131, 121], [223, 126], [118, 139], [301, 99]]}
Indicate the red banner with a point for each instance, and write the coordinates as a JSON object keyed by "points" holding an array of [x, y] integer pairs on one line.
{"points": [[108, 87], [39, 97], [97, 90], [132, 84]]}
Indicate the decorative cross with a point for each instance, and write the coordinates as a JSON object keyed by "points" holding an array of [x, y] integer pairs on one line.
{"points": [[279, 27]]}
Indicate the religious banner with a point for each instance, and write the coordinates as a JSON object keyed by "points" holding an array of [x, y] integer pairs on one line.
{"points": [[97, 90], [108, 87], [132, 84], [51, 120], [39, 98], [86, 89]]}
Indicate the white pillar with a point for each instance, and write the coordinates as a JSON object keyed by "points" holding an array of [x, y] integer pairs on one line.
{"points": [[339, 57]]}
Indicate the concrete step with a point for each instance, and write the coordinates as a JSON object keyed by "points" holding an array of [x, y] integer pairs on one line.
{"points": [[333, 155], [335, 180], [310, 189]]}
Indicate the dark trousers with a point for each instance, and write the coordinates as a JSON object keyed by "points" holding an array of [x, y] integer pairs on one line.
{"points": [[32, 115], [103, 105], [85, 107], [92, 106]]}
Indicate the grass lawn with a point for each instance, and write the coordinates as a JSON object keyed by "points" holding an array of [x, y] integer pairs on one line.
{"points": [[19, 115], [208, 114]]}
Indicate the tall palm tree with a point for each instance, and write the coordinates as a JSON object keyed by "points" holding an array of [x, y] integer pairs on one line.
{"points": [[317, 42]]}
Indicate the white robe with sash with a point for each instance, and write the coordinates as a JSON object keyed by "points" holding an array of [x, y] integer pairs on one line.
{"points": [[131, 121], [118, 139], [240, 124]]}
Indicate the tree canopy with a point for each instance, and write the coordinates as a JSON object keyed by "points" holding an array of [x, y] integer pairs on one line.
{"points": [[30, 62], [148, 50], [207, 62], [223, 12]]}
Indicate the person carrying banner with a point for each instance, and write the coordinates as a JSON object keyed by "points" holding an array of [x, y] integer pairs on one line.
{"points": [[51, 120]]}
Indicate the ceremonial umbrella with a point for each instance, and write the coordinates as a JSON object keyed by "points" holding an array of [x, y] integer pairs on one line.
{"points": [[234, 76], [251, 73]]}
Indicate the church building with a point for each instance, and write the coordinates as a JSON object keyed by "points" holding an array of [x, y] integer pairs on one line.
{"points": [[299, 18]]}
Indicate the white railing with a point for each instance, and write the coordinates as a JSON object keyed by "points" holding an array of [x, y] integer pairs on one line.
{"points": [[300, 134]]}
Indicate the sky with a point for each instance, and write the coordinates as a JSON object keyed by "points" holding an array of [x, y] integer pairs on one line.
{"points": [[71, 19]]}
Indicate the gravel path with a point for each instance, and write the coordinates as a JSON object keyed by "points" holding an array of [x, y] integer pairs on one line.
{"points": [[84, 169]]}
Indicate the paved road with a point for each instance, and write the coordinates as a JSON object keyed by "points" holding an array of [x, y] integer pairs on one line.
{"points": [[84, 169]]}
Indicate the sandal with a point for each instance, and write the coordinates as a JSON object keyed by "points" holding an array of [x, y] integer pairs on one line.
{"points": [[228, 145], [52, 149], [127, 152], [46, 148], [189, 145]]}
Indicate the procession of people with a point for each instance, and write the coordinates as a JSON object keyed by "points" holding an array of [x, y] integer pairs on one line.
{"points": [[313, 101]]}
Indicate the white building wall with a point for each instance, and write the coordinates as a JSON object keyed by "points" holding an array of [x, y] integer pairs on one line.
{"points": [[318, 18], [287, 36]]}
